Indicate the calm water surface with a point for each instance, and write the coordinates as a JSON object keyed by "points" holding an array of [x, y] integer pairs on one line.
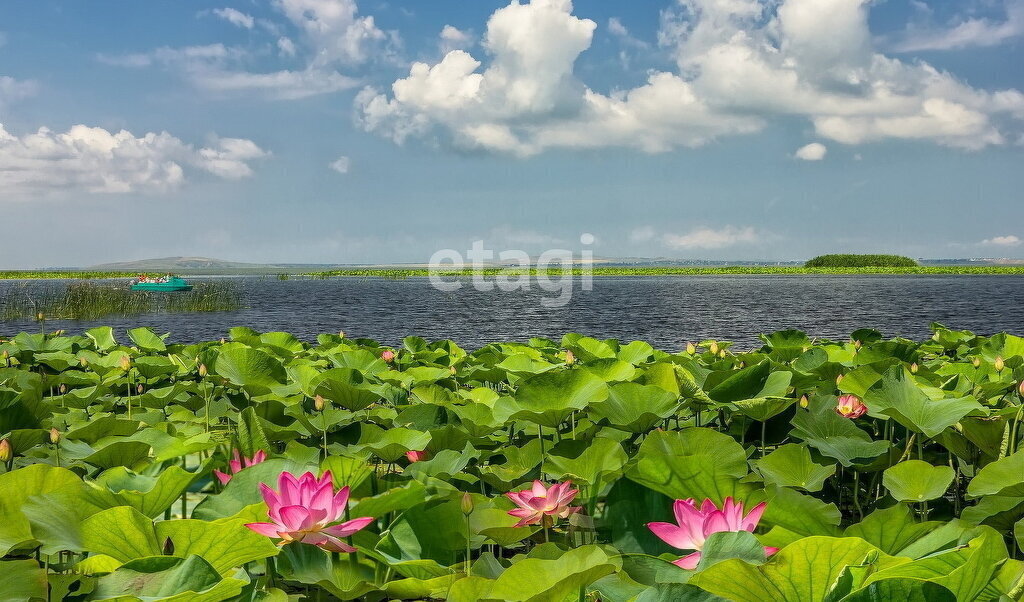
{"points": [[665, 311]]}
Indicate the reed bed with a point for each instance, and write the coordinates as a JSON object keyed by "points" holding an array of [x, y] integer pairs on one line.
{"points": [[89, 301]]}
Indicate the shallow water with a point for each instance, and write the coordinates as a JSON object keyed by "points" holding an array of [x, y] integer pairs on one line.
{"points": [[665, 311]]}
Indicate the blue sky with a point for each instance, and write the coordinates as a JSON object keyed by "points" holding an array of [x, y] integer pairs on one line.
{"points": [[347, 131]]}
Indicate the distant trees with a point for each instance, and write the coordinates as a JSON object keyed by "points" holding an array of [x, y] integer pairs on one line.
{"points": [[839, 260]]}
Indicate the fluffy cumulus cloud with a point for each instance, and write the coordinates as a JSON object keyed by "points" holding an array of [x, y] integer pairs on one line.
{"points": [[330, 39], [814, 151], [99, 161], [1002, 241], [738, 65], [453, 38]]}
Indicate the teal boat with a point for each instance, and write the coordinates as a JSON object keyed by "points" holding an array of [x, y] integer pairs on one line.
{"points": [[168, 284]]}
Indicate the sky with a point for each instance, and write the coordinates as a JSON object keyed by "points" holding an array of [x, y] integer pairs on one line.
{"points": [[376, 131]]}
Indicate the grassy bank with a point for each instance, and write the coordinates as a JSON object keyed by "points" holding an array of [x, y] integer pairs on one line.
{"points": [[89, 301], [683, 271], [399, 273]]}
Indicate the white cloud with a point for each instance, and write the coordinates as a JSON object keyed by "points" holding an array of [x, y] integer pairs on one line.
{"points": [[92, 159], [616, 28], [341, 164], [710, 238], [814, 151], [333, 39], [642, 234], [235, 17], [453, 38], [739, 64], [13, 89], [335, 30], [275, 85], [964, 33], [286, 46], [1002, 241]]}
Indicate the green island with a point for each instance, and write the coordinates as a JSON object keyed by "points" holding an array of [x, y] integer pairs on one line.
{"points": [[263, 467]]}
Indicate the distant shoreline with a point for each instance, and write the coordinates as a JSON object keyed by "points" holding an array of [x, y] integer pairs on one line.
{"points": [[398, 273]]}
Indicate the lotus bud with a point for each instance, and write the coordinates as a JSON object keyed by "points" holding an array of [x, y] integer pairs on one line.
{"points": [[1020, 389], [913, 368], [222, 341], [742, 365], [839, 379], [466, 503], [168, 547], [341, 334], [40, 317], [722, 354], [857, 344], [83, 362], [804, 402], [976, 362], [126, 363], [388, 356], [5, 451], [999, 363], [54, 436], [140, 389], [570, 358], [691, 348], [58, 333], [6, 355], [203, 371], [452, 370], [318, 403], [713, 348]]}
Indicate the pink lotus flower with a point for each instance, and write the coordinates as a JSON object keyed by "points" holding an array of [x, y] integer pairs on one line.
{"points": [[539, 502], [850, 406], [696, 525], [303, 509], [388, 356], [417, 456], [238, 463]]}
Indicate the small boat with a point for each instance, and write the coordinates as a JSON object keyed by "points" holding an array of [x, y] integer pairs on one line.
{"points": [[166, 284]]}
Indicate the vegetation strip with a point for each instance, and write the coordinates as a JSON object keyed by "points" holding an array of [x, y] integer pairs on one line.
{"points": [[263, 467]]}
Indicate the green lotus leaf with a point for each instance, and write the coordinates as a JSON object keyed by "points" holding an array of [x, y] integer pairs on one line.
{"points": [[588, 463], [897, 395], [18, 486], [123, 533], [251, 369], [548, 399], [917, 481], [634, 407], [833, 435], [22, 580], [804, 571], [891, 529], [341, 577], [147, 340], [167, 579], [1003, 477], [149, 495], [392, 444], [790, 465], [964, 570], [536, 579], [102, 337]]}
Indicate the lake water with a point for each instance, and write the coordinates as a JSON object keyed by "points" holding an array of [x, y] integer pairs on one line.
{"points": [[665, 311]]}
